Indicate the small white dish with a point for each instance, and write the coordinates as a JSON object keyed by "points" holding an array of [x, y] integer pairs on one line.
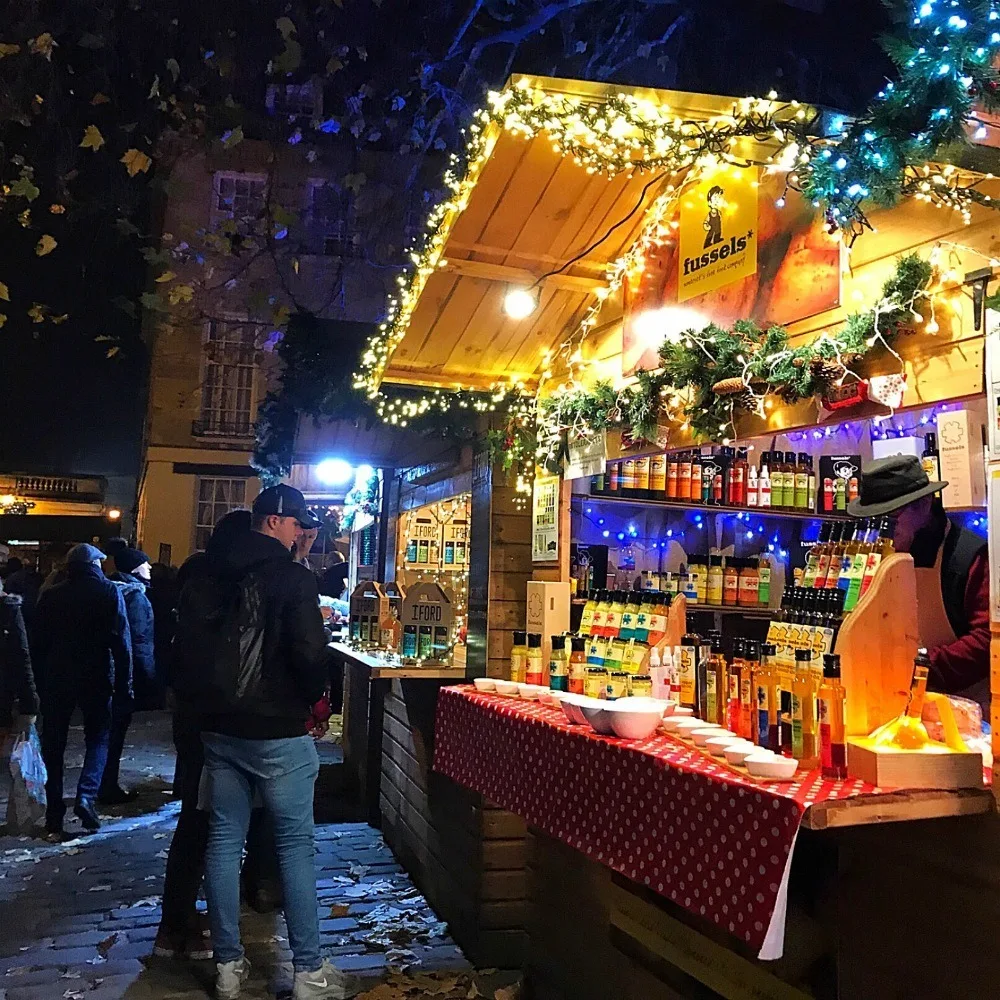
{"points": [[572, 706], [545, 697], [716, 745], [634, 721], [528, 692], [773, 766], [737, 753], [507, 688], [683, 710], [598, 717], [703, 735], [683, 725], [673, 723], [487, 685]]}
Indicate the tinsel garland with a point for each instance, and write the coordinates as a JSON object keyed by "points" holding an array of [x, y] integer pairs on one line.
{"points": [[755, 362]]}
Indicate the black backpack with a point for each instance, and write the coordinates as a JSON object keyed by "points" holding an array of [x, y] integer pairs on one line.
{"points": [[218, 649]]}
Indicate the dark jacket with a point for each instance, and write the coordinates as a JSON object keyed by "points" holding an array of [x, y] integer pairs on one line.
{"points": [[83, 636], [250, 646], [17, 682], [139, 610]]}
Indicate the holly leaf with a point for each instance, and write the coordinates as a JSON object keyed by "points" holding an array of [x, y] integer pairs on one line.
{"points": [[45, 246], [42, 45], [8, 49], [24, 188], [136, 162], [165, 277], [4, 292], [99, 98], [92, 138]]}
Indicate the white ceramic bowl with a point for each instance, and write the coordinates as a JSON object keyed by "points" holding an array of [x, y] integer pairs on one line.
{"points": [[737, 753], [702, 736], [507, 688], [716, 745], [780, 768], [634, 721], [547, 697], [683, 710], [684, 725], [597, 715], [485, 684], [572, 706], [528, 692]]}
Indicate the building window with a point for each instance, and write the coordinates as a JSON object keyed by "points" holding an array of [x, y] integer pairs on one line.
{"points": [[227, 394], [216, 498], [332, 220], [294, 100], [239, 196]]}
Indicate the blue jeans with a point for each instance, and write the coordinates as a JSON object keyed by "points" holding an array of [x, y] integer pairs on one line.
{"points": [[284, 773]]}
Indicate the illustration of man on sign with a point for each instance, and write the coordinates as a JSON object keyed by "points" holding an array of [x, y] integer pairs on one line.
{"points": [[716, 198]]}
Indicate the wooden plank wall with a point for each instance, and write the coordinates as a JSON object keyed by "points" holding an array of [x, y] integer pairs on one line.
{"points": [[466, 856]]}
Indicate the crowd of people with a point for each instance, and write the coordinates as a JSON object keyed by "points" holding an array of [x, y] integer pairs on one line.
{"points": [[235, 644]]}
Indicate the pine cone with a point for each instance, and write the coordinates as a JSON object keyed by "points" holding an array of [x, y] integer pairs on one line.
{"points": [[729, 387], [825, 370]]}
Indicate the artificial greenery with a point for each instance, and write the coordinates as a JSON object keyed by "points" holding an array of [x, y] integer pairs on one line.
{"points": [[756, 361]]}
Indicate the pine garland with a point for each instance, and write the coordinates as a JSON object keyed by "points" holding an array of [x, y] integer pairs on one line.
{"points": [[761, 361]]}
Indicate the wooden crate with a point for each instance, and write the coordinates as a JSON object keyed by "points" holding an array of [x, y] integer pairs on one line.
{"points": [[933, 767]]}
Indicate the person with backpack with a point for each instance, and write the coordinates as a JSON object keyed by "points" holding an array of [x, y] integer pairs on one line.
{"points": [[251, 653]]}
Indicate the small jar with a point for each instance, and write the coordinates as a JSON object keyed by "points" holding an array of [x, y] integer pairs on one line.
{"points": [[731, 582], [617, 684], [748, 584], [595, 684], [641, 686]]}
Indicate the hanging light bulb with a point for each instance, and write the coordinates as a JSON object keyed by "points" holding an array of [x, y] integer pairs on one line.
{"points": [[519, 303]]}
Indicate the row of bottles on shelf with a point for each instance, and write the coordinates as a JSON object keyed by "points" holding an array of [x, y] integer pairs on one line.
{"points": [[846, 557]]}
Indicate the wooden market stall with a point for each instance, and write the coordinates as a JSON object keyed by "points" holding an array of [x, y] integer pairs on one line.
{"points": [[523, 831]]}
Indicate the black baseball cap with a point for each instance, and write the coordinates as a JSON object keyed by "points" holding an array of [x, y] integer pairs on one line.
{"points": [[285, 501]]}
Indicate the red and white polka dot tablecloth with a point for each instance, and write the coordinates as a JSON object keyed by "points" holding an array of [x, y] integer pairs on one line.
{"points": [[657, 811]]}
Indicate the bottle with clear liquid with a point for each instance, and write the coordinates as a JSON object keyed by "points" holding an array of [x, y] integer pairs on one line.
{"points": [[832, 699]]}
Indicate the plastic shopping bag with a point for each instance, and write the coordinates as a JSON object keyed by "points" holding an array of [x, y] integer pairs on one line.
{"points": [[26, 806]]}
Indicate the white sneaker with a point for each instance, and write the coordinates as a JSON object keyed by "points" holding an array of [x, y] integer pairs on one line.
{"points": [[230, 977], [326, 983]]}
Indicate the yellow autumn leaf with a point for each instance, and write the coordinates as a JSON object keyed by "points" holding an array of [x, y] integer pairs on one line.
{"points": [[112, 351], [37, 313], [136, 162], [4, 292], [166, 276], [42, 45], [56, 209], [9, 49], [45, 245], [92, 138], [60, 319], [3, 318], [180, 293], [99, 98]]}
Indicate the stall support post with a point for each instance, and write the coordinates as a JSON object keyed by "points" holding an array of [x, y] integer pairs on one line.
{"points": [[995, 703]]}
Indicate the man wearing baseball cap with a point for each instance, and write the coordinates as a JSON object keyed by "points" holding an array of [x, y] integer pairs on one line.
{"points": [[952, 567], [251, 654]]}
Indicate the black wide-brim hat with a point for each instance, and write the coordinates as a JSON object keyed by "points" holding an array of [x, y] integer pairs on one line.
{"points": [[890, 483]]}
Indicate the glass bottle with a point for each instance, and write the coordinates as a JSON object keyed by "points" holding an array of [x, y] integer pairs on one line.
{"points": [[707, 477], [559, 664], [687, 668], [859, 563], [850, 551], [740, 476], [731, 582], [777, 479], [930, 460], [587, 618], [748, 690], [764, 683], [882, 549], [577, 663], [696, 483], [753, 486], [614, 477], [518, 657], [748, 587], [673, 467], [628, 478], [642, 615], [734, 705], [801, 492], [791, 470], [774, 703], [658, 619], [821, 547], [534, 668], [601, 609], [810, 717], [658, 476], [763, 581], [630, 608], [765, 487], [800, 696], [713, 588], [613, 620], [811, 503], [836, 557], [684, 476], [832, 700], [715, 684]]}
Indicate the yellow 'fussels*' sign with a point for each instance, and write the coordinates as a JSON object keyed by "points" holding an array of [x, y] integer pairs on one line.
{"points": [[718, 232]]}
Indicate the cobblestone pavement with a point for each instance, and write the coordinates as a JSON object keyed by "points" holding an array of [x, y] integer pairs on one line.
{"points": [[77, 920]]}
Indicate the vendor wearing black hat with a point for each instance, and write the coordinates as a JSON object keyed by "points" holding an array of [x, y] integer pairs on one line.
{"points": [[952, 567]]}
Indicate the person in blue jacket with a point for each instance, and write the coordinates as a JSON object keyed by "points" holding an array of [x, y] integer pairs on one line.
{"points": [[84, 659]]}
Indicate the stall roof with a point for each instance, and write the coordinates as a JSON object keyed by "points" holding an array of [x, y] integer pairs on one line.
{"points": [[532, 210]]}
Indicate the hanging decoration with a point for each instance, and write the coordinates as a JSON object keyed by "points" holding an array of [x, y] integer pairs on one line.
{"points": [[945, 59]]}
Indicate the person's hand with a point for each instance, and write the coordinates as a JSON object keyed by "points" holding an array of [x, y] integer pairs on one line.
{"points": [[319, 730]]}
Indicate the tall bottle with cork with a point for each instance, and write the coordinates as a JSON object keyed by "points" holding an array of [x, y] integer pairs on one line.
{"points": [[832, 699]]}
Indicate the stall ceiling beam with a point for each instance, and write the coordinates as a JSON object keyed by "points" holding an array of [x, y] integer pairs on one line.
{"points": [[520, 276]]}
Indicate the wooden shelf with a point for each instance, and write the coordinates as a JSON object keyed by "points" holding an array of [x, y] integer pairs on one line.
{"points": [[795, 515], [379, 669]]}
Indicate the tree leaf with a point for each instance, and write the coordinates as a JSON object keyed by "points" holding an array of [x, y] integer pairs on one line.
{"points": [[165, 277], [8, 49], [92, 138], [136, 162], [3, 319], [60, 318], [112, 351], [180, 293], [45, 245], [37, 312], [24, 188], [99, 98], [4, 292], [42, 45]]}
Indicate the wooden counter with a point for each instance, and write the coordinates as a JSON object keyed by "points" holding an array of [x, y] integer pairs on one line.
{"points": [[366, 682]]}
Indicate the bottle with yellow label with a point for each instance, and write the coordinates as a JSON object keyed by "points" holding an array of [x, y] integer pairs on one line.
{"points": [[613, 619], [687, 669], [658, 476], [519, 657], [587, 618]]}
